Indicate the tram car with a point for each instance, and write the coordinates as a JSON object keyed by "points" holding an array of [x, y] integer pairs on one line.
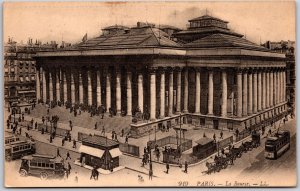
{"points": [[18, 149], [277, 145], [11, 139]]}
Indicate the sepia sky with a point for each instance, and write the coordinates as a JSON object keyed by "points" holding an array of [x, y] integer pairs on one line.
{"points": [[273, 21]]}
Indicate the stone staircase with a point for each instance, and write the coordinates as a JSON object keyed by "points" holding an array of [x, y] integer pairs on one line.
{"points": [[116, 123]]}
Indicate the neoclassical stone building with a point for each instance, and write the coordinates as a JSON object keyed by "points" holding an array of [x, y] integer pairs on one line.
{"points": [[209, 73]]}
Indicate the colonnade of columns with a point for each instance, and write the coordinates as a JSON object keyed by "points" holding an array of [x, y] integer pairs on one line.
{"points": [[259, 89], [254, 89]]}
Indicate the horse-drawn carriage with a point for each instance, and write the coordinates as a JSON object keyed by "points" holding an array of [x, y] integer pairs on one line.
{"points": [[231, 154]]}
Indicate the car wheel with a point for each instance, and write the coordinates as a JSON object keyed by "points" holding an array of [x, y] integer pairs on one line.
{"points": [[44, 176], [23, 173]]}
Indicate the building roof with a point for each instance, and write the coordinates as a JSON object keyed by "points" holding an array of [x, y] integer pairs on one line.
{"points": [[169, 27], [205, 17], [100, 140], [134, 38], [224, 40], [207, 30], [204, 141]]}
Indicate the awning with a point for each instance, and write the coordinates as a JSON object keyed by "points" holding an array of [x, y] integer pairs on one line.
{"points": [[115, 152], [91, 151]]}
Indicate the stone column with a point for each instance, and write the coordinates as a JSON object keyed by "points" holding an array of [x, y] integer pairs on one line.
{"points": [[57, 84], [65, 87], [284, 85], [44, 85], [80, 88], [210, 92], [171, 90], [72, 87], [108, 90], [281, 86], [129, 93], [250, 94], [186, 90], [255, 103], [90, 91], [178, 104], [271, 88], [162, 93], [50, 87], [152, 94], [279, 77], [140, 92], [264, 92], [239, 94], [259, 92], [198, 91], [61, 87], [245, 94], [224, 94], [98, 88], [277, 87], [267, 89], [38, 86], [118, 91]]}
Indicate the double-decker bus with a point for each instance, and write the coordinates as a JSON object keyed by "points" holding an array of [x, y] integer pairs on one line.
{"points": [[11, 139], [43, 166], [17, 149], [277, 145]]}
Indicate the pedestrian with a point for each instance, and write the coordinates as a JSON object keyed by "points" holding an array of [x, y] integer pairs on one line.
{"points": [[35, 125], [113, 135], [96, 125], [71, 126], [50, 138], [167, 167], [214, 137], [126, 139], [76, 177], [68, 156], [150, 174], [185, 167], [69, 168], [43, 119], [103, 131], [221, 135], [74, 143], [63, 142], [58, 153], [122, 133]]}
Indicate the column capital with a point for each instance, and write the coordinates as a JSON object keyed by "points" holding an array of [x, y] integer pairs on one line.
{"points": [[153, 70], [118, 69], [170, 69], [178, 69]]}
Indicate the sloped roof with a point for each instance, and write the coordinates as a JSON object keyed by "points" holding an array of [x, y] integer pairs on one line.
{"points": [[211, 29], [134, 38], [100, 140], [204, 141], [204, 17], [223, 40]]}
